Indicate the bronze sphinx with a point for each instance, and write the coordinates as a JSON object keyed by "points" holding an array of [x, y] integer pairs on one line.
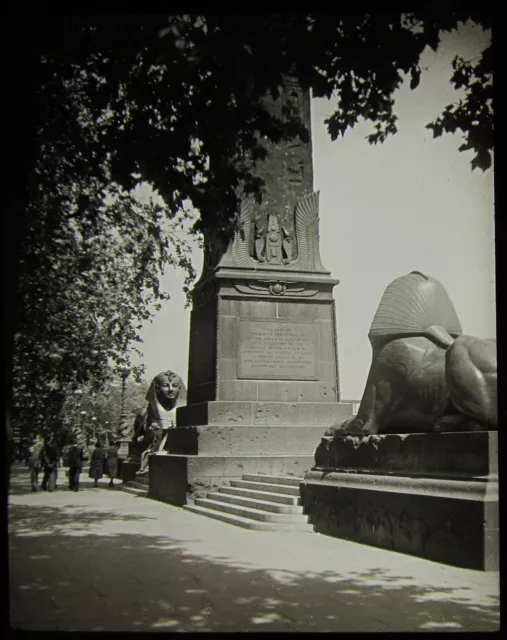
{"points": [[166, 392], [425, 376]]}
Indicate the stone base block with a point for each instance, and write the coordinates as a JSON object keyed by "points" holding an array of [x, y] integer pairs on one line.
{"points": [[173, 478], [129, 468], [135, 449], [253, 414], [430, 495], [233, 440]]}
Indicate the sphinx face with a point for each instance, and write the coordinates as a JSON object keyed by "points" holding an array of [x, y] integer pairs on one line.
{"points": [[167, 389]]}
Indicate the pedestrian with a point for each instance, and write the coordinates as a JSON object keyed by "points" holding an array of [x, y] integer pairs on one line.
{"points": [[75, 457], [49, 460], [34, 462], [112, 462], [97, 464]]}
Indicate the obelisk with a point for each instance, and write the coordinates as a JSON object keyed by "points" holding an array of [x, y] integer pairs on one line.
{"points": [[263, 381]]}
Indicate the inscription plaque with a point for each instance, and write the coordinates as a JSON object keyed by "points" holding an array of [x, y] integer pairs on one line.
{"points": [[277, 349]]}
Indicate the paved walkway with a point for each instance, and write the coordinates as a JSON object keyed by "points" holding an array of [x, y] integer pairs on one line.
{"points": [[103, 559]]}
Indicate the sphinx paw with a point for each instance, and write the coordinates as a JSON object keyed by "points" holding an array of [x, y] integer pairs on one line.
{"points": [[350, 426]]}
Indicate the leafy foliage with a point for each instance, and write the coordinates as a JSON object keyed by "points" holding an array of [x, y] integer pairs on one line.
{"points": [[472, 115], [179, 102], [91, 415]]}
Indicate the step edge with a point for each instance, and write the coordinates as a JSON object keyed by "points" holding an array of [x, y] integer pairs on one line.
{"points": [[269, 526], [231, 516], [252, 509], [280, 505]]}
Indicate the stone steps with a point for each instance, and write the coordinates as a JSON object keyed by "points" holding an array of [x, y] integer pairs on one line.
{"points": [[261, 495], [275, 507], [260, 502], [140, 486], [265, 485], [137, 491], [144, 480], [262, 477]]}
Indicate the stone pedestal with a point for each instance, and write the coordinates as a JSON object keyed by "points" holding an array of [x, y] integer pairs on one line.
{"points": [[123, 450], [263, 386], [430, 495]]}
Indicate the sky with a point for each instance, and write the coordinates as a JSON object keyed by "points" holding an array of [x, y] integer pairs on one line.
{"points": [[411, 203]]}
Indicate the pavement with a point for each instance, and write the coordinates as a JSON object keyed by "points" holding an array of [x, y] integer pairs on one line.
{"points": [[104, 559]]}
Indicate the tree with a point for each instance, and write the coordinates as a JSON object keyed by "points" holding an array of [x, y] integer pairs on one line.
{"points": [[163, 96], [90, 278], [178, 103], [96, 414]]}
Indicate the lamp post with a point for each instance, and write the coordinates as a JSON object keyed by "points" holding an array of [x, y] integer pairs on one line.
{"points": [[123, 450], [94, 428], [82, 416], [123, 417]]}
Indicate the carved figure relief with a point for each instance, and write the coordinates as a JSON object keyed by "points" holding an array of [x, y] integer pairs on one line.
{"points": [[259, 243], [274, 288], [271, 243], [295, 173]]}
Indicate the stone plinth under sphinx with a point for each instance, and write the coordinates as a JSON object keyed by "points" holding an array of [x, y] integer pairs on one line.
{"points": [[263, 381], [430, 495]]}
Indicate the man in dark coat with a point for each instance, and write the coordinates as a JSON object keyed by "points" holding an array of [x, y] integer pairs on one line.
{"points": [[34, 463], [112, 462], [75, 457], [97, 464], [49, 459]]}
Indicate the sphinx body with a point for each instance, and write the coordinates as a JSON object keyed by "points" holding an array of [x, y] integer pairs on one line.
{"points": [[166, 392], [425, 375]]}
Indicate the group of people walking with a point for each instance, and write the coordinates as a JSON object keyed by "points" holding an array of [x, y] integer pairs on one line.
{"points": [[104, 458], [45, 456]]}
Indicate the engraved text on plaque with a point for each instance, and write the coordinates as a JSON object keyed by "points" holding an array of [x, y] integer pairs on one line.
{"points": [[277, 349]]}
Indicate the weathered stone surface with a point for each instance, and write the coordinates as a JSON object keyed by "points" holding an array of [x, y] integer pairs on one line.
{"points": [[431, 495], [275, 391], [262, 413], [231, 440], [230, 390], [172, 476], [327, 371], [305, 310], [320, 392], [471, 454], [449, 523]]}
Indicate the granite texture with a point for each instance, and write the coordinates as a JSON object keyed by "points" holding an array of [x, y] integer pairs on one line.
{"points": [[232, 440], [430, 495], [441, 526], [241, 413], [173, 478]]}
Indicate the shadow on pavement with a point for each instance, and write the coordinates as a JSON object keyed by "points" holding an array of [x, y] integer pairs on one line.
{"points": [[26, 519], [67, 578]]}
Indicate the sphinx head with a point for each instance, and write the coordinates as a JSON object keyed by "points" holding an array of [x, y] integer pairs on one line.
{"points": [[167, 387]]}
